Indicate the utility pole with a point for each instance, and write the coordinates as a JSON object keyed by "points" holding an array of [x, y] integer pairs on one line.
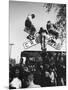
{"points": [[10, 49]]}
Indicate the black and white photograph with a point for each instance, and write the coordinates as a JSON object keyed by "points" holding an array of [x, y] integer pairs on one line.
{"points": [[37, 44]]}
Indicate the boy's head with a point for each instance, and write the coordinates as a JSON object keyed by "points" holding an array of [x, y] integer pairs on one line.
{"points": [[30, 77]]}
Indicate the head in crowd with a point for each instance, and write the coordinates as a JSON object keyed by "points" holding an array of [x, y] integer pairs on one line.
{"points": [[31, 58], [17, 73], [46, 73], [30, 78]]}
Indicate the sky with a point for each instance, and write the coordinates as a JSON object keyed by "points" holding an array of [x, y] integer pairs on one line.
{"points": [[18, 11]]}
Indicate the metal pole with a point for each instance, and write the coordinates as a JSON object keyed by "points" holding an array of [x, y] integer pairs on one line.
{"points": [[10, 49]]}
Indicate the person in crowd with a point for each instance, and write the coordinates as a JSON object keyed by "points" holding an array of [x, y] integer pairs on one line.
{"points": [[11, 71], [31, 83], [21, 61], [52, 77], [16, 82], [45, 79], [62, 81]]}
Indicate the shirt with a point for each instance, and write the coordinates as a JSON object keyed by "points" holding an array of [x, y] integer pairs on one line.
{"points": [[32, 85], [16, 83]]}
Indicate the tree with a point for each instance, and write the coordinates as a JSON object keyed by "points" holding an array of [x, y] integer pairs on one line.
{"points": [[61, 15]]}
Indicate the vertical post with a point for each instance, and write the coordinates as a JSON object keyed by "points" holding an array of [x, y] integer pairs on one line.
{"points": [[10, 49], [43, 42]]}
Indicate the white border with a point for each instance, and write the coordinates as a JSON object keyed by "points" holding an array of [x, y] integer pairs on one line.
{"points": [[4, 38], [46, 1]]}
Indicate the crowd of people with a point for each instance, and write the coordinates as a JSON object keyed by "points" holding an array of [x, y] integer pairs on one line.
{"points": [[41, 69]]}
